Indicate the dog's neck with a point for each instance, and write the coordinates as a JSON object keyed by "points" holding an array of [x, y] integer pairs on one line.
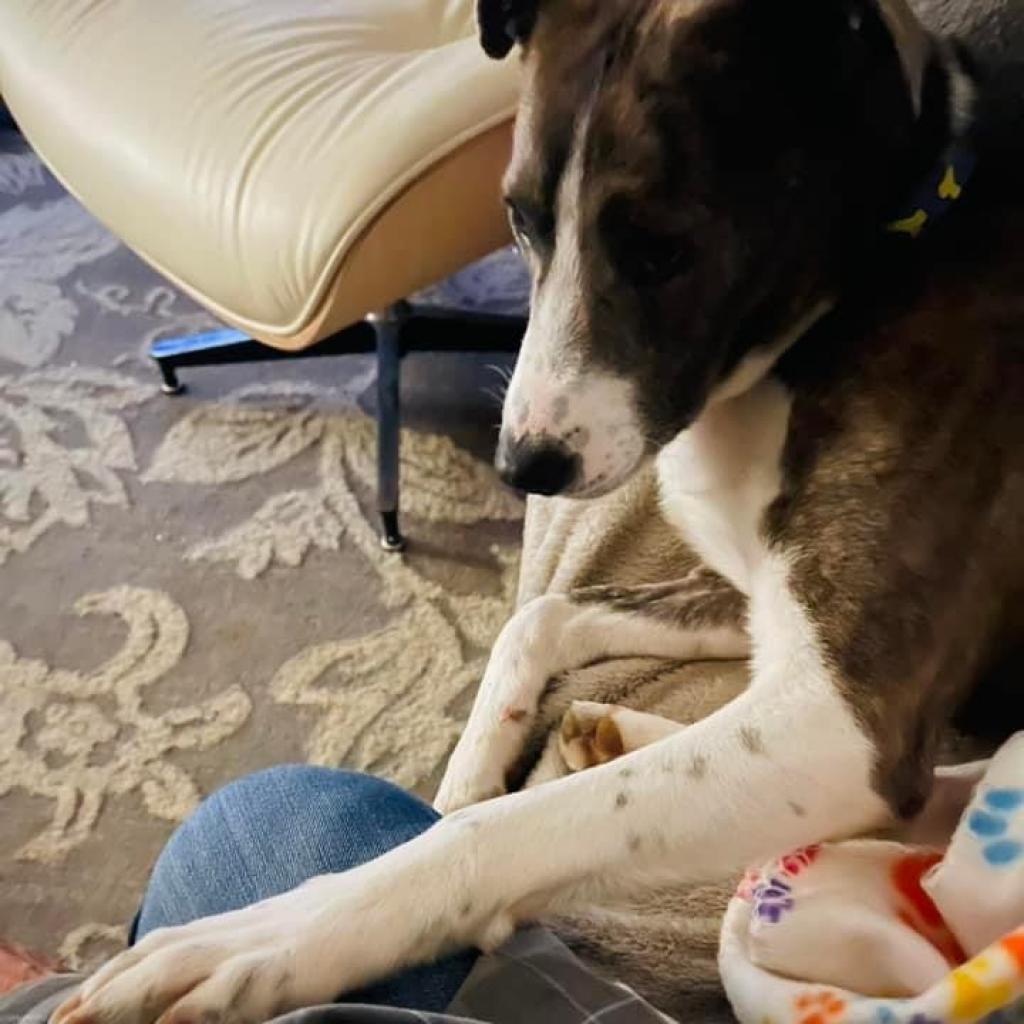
{"points": [[756, 365], [942, 95]]}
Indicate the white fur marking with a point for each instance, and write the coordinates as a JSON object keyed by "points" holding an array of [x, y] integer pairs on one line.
{"points": [[591, 413], [718, 477]]}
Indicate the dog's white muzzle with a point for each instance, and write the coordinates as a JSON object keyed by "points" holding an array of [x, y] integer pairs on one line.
{"points": [[575, 435]]}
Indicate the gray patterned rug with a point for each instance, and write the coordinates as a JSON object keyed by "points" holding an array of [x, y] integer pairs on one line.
{"points": [[191, 588]]}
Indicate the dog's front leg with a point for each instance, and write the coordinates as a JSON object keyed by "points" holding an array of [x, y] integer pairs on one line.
{"points": [[783, 765], [700, 616]]}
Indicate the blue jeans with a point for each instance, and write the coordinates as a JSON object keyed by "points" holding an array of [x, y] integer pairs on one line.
{"points": [[271, 831]]}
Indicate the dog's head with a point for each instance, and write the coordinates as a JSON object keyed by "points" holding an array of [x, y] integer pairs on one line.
{"points": [[691, 180]]}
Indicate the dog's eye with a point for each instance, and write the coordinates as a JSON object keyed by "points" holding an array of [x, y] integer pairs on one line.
{"points": [[519, 227], [531, 228], [644, 256], [654, 258]]}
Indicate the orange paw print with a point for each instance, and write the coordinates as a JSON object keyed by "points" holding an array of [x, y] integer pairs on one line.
{"points": [[820, 1008]]}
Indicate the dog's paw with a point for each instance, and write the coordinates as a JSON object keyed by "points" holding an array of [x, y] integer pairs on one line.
{"points": [[181, 975], [597, 733], [243, 967], [589, 735]]}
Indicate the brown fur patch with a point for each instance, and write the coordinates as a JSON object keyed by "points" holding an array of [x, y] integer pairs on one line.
{"points": [[903, 499]]}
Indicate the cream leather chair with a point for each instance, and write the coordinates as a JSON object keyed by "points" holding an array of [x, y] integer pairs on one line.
{"points": [[293, 165]]}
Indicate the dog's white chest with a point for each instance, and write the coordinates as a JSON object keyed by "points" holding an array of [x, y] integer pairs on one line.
{"points": [[718, 477]]}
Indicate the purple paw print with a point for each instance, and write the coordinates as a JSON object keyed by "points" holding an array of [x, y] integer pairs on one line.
{"points": [[772, 899]]}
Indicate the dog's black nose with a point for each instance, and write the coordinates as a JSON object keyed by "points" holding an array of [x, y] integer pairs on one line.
{"points": [[540, 466]]}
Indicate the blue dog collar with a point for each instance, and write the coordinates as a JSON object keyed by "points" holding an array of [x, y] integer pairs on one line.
{"points": [[943, 188]]}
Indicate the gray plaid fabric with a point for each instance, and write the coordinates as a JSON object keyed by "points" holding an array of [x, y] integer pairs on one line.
{"points": [[33, 1004], [532, 979]]}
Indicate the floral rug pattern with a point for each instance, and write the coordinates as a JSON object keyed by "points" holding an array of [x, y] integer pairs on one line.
{"points": [[191, 588]]}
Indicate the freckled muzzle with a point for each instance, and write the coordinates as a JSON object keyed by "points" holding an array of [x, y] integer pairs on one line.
{"points": [[574, 434], [538, 464]]}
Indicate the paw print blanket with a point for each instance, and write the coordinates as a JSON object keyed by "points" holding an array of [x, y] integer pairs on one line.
{"points": [[884, 932]]}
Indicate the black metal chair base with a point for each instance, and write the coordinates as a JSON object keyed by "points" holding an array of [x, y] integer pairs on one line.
{"points": [[391, 538], [387, 329], [391, 334]]}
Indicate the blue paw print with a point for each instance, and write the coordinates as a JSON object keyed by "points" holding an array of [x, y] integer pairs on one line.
{"points": [[772, 899], [990, 823], [887, 1015]]}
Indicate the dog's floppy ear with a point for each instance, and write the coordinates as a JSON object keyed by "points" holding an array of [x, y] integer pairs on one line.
{"points": [[503, 23]]}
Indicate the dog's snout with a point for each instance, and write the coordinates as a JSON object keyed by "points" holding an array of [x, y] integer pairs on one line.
{"points": [[540, 466]]}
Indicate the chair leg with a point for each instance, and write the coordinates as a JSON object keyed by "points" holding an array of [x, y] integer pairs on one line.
{"points": [[169, 383], [398, 329], [223, 345], [388, 329]]}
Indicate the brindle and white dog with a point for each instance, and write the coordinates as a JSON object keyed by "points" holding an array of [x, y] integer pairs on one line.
{"points": [[702, 187]]}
